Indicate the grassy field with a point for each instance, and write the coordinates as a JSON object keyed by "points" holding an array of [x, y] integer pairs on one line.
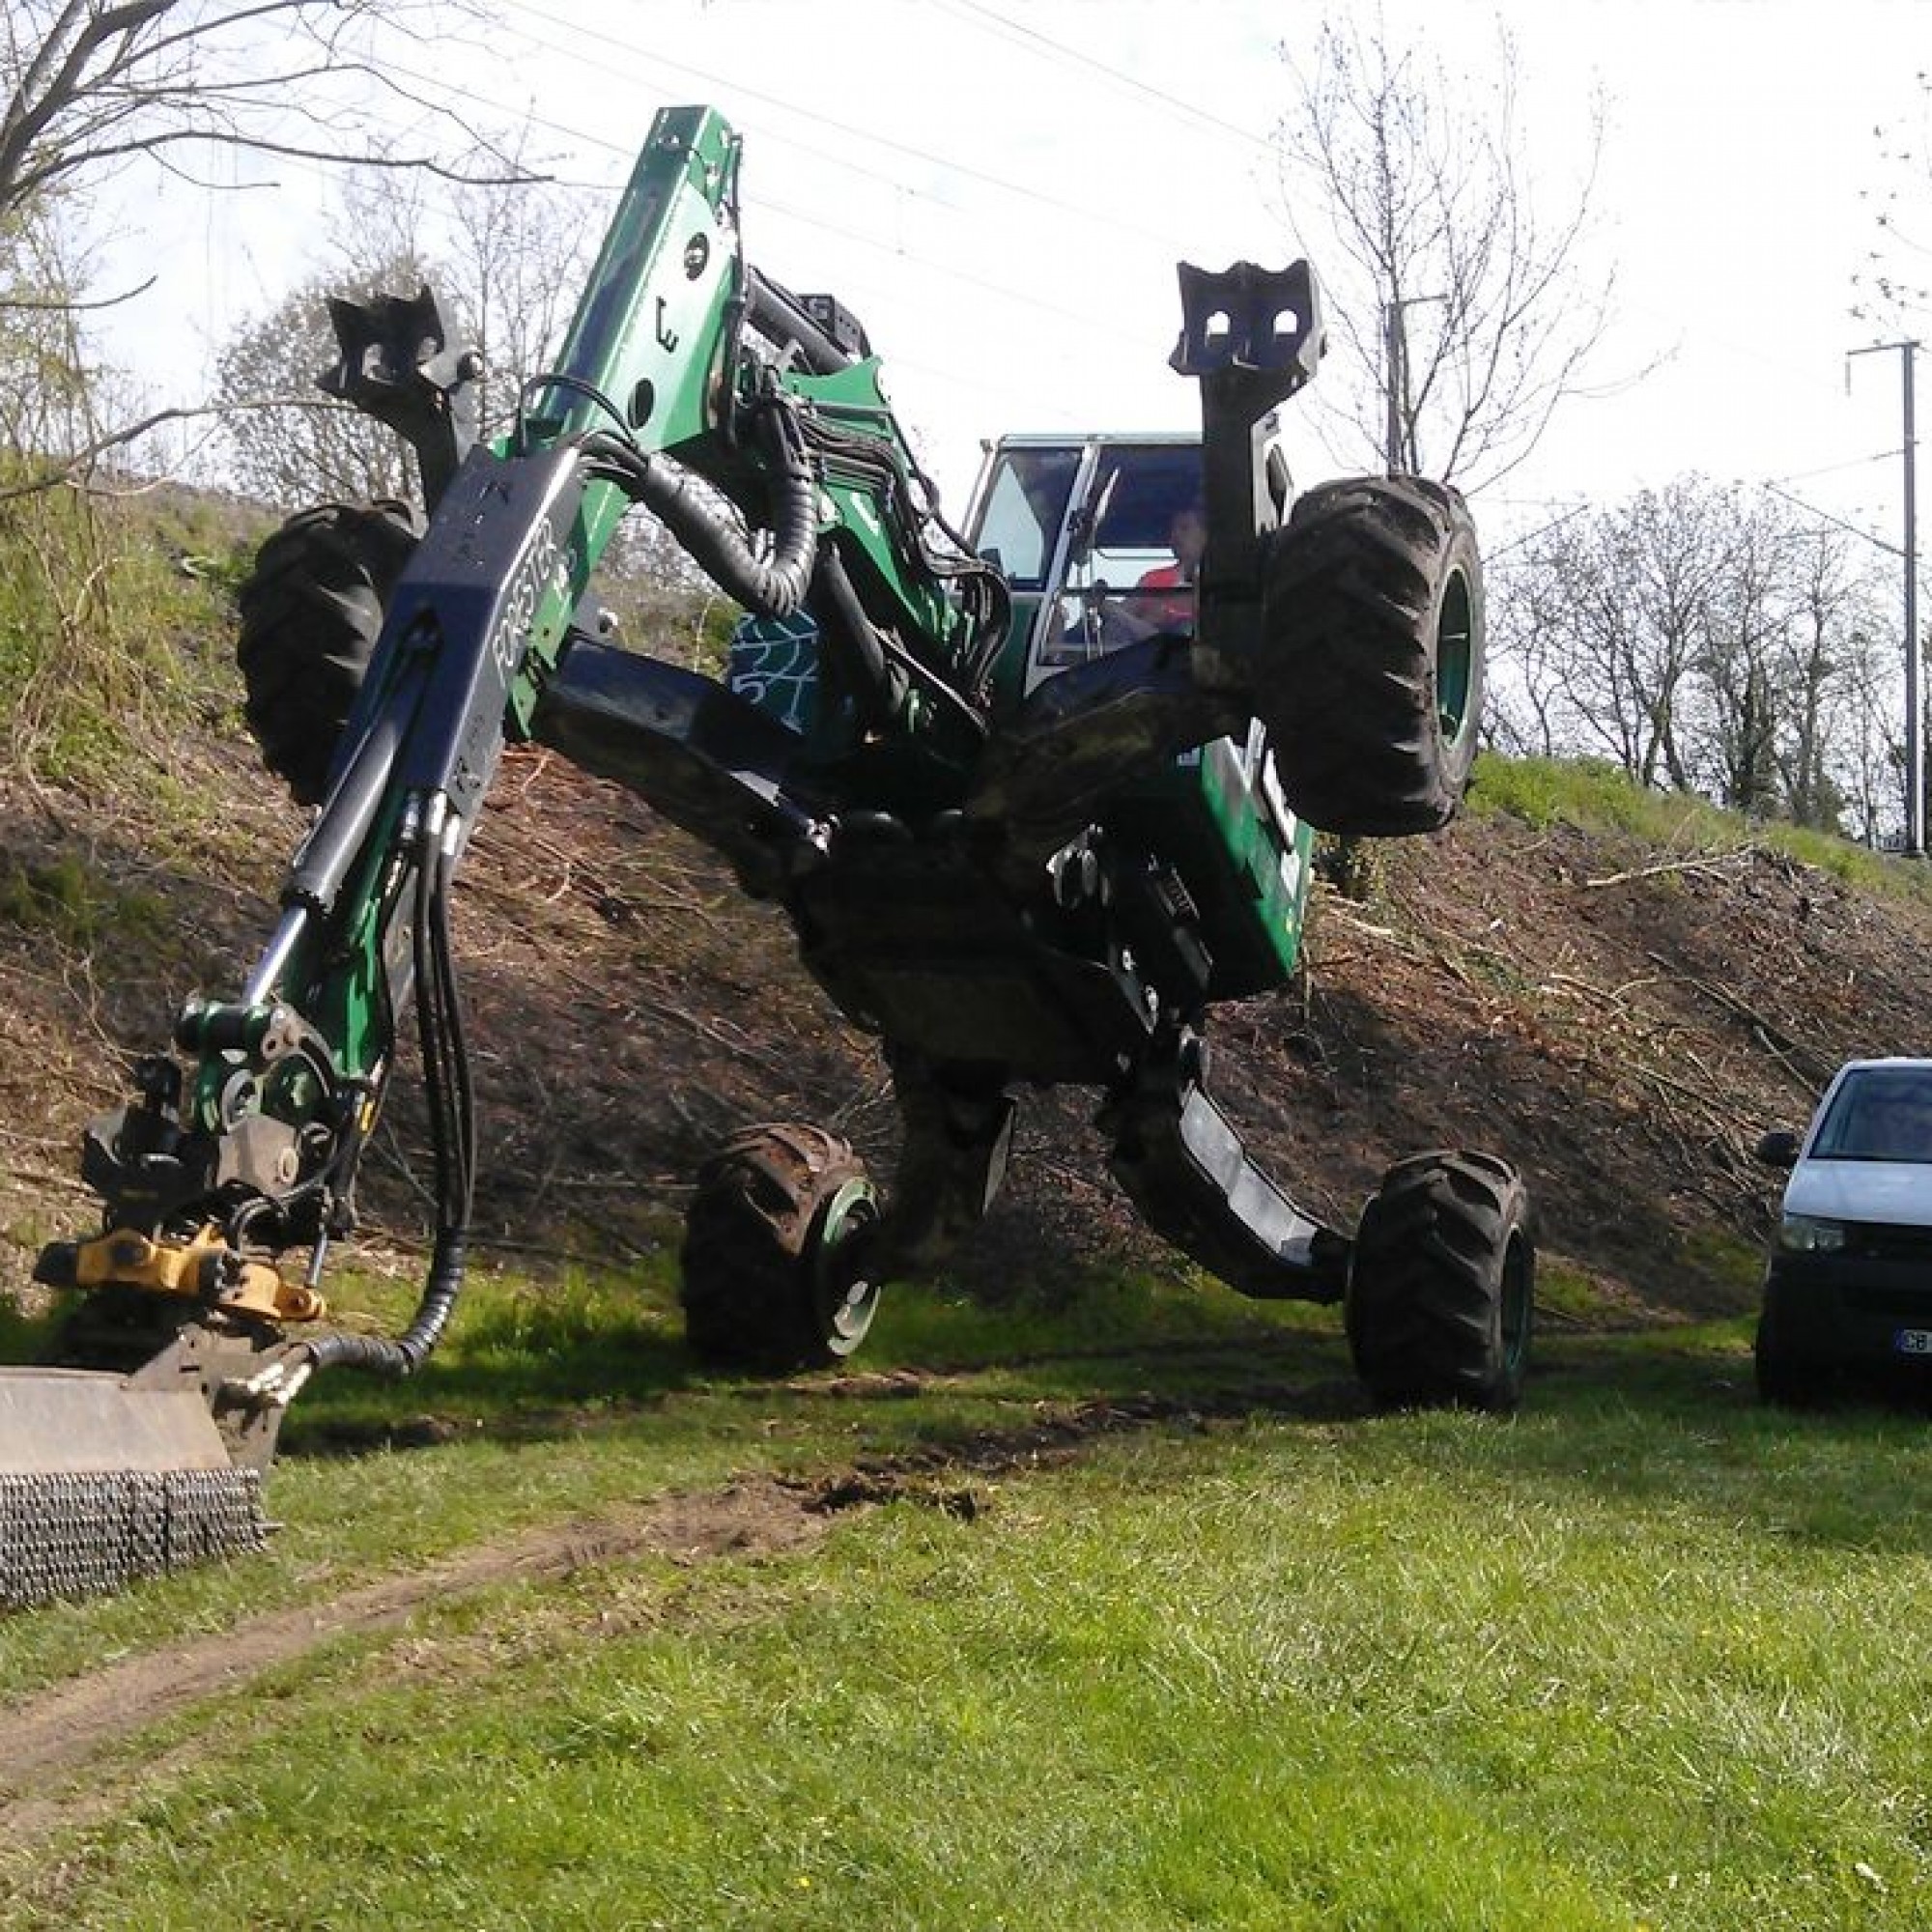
{"points": [[1123, 1614]]}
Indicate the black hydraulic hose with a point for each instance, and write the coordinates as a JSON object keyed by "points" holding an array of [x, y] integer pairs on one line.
{"points": [[881, 685], [452, 1097], [892, 667], [375, 1354], [453, 1126], [773, 586]]}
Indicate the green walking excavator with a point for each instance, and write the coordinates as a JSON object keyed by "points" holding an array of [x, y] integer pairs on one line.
{"points": [[1033, 797]]}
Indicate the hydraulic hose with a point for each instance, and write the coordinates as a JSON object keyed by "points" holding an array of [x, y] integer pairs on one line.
{"points": [[774, 586], [882, 684], [406, 1354], [453, 1128]]}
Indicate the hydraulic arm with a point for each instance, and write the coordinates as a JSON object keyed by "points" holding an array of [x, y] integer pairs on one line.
{"points": [[751, 423]]}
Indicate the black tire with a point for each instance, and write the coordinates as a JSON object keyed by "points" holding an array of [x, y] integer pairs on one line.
{"points": [[1787, 1377], [1373, 612], [1442, 1285], [311, 610], [774, 1243]]}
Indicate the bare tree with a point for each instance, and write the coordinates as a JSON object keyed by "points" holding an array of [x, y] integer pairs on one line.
{"points": [[287, 443], [510, 258], [507, 262], [1833, 656], [1894, 287], [1869, 747], [45, 398], [1468, 297], [92, 89], [1706, 640], [1615, 601], [91, 85], [1745, 619]]}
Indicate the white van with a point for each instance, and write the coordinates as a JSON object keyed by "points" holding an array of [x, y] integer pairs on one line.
{"points": [[1849, 1284]]}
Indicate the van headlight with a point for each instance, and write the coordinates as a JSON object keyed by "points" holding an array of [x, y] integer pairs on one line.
{"points": [[1807, 1234]]}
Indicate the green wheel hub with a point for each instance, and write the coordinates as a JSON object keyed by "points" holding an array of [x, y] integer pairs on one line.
{"points": [[846, 1291]]}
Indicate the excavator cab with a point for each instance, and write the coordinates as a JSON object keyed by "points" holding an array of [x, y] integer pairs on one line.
{"points": [[1084, 529]]}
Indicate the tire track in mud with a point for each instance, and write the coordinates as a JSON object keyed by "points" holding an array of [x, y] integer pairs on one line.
{"points": [[46, 1738], [62, 1728]]}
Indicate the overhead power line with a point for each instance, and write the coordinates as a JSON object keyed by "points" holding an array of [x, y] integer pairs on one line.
{"points": [[1161, 96], [1825, 516], [1834, 469], [951, 164]]}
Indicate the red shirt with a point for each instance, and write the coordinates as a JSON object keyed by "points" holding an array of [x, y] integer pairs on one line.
{"points": [[1168, 614]]}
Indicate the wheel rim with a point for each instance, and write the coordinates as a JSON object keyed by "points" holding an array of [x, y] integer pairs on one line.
{"points": [[1455, 658], [844, 1292]]}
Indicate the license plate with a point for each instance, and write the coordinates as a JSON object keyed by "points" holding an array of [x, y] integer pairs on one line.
{"points": [[1913, 1342]]}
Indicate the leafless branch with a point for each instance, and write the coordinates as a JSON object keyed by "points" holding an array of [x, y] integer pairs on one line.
{"points": [[60, 305], [91, 84], [1445, 245]]}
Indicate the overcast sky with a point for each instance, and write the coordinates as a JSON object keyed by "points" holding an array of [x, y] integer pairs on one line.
{"points": [[1000, 192]]}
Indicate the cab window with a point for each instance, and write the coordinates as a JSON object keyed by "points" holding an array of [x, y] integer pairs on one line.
{"points": [[1138, 539], [1024, 505]]}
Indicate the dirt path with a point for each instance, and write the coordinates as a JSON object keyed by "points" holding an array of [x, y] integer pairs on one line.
{"points": [[62, 1728], [50, 1736]]}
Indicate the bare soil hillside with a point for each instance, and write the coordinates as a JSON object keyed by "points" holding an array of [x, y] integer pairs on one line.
{"points": [[1621, 1022]]}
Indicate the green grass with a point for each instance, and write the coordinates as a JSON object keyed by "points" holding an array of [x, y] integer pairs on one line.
{"points": [[76, 908], [548, 1398], [1648, 1655], [113, 635], [1597, 797]]}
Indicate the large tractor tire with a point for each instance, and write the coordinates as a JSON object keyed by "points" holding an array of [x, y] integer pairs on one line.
{"points": [[774, 1252], [1373, 609], [311, 612], [1441, 1285]]}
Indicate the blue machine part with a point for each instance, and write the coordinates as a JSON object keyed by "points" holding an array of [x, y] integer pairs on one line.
{"points": [[773, 663]]}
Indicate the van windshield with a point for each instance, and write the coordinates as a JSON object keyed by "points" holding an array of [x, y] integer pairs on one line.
{"points": [[1881, 1113]]}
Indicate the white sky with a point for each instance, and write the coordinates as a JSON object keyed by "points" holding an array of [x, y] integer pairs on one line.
{"points": [[1001, 192]]}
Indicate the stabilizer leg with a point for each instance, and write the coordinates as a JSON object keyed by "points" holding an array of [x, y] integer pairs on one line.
{"points": [[1183, 1166], [958, 1137], [706, 760]]}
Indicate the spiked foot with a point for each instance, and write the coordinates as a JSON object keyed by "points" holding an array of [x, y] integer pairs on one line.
{"points": [[106, 1482]]}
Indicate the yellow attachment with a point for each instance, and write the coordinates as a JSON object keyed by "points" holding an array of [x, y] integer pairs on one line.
{"points": [[204, 1268]]}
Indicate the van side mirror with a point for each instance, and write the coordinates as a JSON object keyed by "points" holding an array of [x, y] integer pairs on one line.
{"points": [[1779, 1148]]}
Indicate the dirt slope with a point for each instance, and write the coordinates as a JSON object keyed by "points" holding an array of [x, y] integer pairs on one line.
{"points": [[1621, 1022]]}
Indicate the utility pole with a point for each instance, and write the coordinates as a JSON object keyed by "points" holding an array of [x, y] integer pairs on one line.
{"points": [[1394, 349], [1915, 738], [1395, 363]]}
